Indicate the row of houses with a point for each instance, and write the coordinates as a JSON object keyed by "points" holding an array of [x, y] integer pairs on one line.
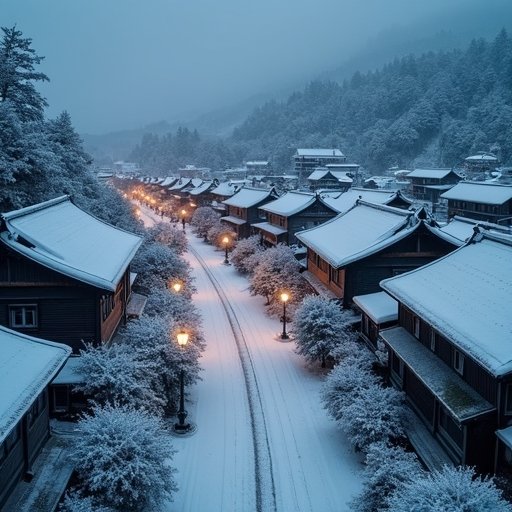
{"points": [[65, 277]]}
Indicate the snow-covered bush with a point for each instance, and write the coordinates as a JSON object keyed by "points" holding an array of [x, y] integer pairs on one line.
{"points": [[277, 271], [318, 328], [112, 374], [377, 414], [387, 468], [169, 236], [217, 233], [157, 266], [153, 342], [449, 490], [122, 457], [244, 252], [203, 219], [75, 501]]}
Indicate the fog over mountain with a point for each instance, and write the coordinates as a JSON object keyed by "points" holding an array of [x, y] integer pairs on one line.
{"points": [[123, 64]]}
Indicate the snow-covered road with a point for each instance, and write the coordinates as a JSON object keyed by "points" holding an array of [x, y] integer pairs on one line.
{"points": [[312, 465]]}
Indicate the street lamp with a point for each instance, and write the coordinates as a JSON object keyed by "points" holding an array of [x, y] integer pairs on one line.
{"points": [[183, 213], [177, 287], [182, 427], [225, 241], [284, 300]]}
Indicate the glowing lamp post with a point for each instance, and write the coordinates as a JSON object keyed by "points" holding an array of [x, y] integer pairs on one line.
{"points": [[181, 426], [183, 213], [284, 299], [177, 288], [225, 241]]}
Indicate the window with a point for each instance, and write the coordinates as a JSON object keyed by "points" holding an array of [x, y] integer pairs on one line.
{"points": [[450, 430], [416, 327], [432, 340], [458, 361], [23, 316], [60, 398]]}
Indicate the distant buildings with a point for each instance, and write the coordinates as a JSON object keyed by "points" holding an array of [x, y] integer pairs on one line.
{"points": [[307, 160], [477, 165], [429, 184]]}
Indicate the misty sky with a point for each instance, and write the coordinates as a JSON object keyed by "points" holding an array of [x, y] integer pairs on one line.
{"points": [[121, 64]]}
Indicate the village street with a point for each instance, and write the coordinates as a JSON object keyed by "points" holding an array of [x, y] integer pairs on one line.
{"points": [[303, 462]]}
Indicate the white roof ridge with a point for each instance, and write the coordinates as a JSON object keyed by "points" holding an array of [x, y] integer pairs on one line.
{"points": [[34, 208], [386, 208]]}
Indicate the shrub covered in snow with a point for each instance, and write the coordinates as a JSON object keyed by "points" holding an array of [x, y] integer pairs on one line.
{"points": [[122, 457], [112, 374], [318, 328], [157, 266], [217, 233], [245, 254], [387, 468], [203, 219], [277, 271], [449, 490], [75, 501], [169, 236]]}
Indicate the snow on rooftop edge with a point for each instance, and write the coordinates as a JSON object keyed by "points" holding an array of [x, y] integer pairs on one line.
{"points": [[247, 197], [380, 307]]}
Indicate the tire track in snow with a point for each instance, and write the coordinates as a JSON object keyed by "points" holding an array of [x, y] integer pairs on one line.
{"points": [[265, 487]]}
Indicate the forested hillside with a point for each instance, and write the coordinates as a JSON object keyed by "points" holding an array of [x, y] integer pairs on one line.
{"points": [[433, 109]]}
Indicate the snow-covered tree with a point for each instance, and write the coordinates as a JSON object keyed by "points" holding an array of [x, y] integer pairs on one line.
{"points": [[217, 233], [387, 468], [122, 458], [318, 328], [243, 255], [158, 266], [449, 490], [276, 271], [374, 414], [169, 236], [18, 61], [75, 501], [203, 219], [112, 374], [153, 342]]}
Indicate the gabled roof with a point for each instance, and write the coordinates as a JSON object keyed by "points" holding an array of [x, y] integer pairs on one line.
{"points": [[170, 180], [380, 307], [465, 296], [463, 228], [201, 188], [478, 192], [27, 365], [429, 173], [291, 203], [320, 174], [247, 197], [358, 233], [485, 157], [346, 200], [181, 183], [319, 152], [225, 189], [62, 237]]}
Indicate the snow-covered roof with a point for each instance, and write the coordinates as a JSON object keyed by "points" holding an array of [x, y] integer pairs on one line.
{"points": [[233, 220], [168, 181], [463, 228], [343, 202], [181, 183], [478, 192], [361, 231], [60, 236], [247, 197], [290, 203], [342, 166], [461, 400], [201, 188], [69, 373], [27, 365], [481, 158], [466, 297], [269, 228], [380, 307], [429, 173], [505, 435], [257, 163], [319, 152], [320, 174], [225, 189], [196, 182]]}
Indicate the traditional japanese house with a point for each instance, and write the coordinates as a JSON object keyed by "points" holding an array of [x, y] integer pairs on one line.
{"points": [[307, 160], [222, 192], [463, 228], [64, 275], [292, 212], [243, 209], [324, 178], [378, 311], [429, 184], [346, 200], [481, 201], [353, 252], [479, 164], [27, 365], [452, 350], [202, 194]]}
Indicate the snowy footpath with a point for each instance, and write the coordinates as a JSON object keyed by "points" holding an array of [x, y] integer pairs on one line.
{"points": [[263, 441]]}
